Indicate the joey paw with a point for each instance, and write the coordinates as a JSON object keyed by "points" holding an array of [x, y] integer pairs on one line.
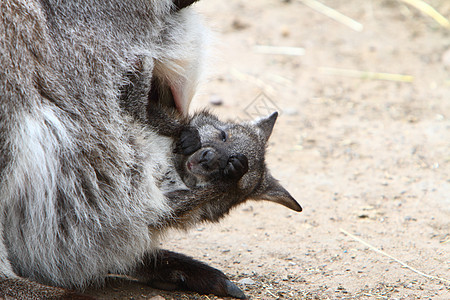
{"points": [[236, 167], [189, 141]]}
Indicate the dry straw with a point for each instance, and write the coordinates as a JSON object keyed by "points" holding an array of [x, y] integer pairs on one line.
{"points": [[430, 11], [393, 258], [367, 75], [279, 50], [333, 14]]}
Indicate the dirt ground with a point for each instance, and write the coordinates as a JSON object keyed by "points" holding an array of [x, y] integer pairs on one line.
{"points": [[362, 155]]}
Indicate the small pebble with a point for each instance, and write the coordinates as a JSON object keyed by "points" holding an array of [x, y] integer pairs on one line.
{"points": [[248, 281], [215, 100], [285, 32], [290, 111], [238, 24]]}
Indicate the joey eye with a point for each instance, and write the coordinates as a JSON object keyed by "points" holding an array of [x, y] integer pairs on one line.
{"points": [[223, 136]]}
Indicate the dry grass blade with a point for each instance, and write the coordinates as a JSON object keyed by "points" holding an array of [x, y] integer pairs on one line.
{"points": [[393, 258], [430, 11], [367, 75], [375, 296], [280, 79], [333, 14], [294, 51]]}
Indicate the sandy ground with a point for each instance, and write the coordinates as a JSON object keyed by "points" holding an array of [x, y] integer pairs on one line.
{"points": [[362, 155]]}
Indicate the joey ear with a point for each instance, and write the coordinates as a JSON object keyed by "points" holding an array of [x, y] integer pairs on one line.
{"points": [[180, 4], [271, 190], [266, 124]]}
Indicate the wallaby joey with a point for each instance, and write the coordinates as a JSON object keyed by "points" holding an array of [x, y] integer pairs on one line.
{"points": [[216, 166], [220, 163]]}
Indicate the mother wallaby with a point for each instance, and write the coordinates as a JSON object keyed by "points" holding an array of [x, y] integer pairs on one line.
{"points": [[79, 165]]}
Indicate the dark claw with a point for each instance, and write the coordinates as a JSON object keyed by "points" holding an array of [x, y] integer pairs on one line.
{"points": [[234, 291], [175, 271], [236, 167], [189, 141]]}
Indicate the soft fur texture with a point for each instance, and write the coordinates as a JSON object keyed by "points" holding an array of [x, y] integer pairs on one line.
{"points": [[86, 168], [77, 170]]}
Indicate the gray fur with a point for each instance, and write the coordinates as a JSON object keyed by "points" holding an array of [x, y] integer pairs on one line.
{"points": [[87, 185], [77, 171]]}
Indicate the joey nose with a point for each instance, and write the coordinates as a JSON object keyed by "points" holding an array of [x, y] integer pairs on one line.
{"points": [[208, 159], [206, 156]]}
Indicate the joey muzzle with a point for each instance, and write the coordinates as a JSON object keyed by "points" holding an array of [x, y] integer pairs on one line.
{"points": [[209, 161], [205, 162]]}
